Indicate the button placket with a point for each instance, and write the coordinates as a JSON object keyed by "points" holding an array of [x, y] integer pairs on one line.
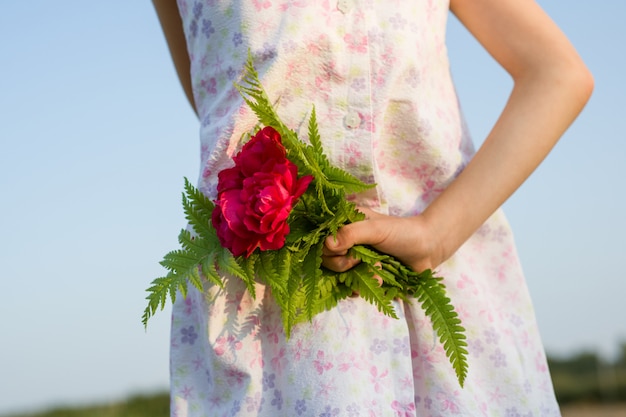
{"points": [[357, 147], [352, 120]]}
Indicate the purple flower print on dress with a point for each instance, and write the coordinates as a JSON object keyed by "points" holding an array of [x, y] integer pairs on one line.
{"points": [[237, 38], [208, 376], [397, 21], [189, 335], [330, 412], [354, 410], [300, 407], [512, 412], [475, 347], [268, 52], [358, 84], [197, 10], [498, 358], [268, 381], [193, 28], [277, 401], [428, 403], [413, 78], [516, 320], [207, 28], [378, 346], [210, 85], [206, 120], [528, 387], [255, 403], [402, 346], [491, 336], [236, 408]]}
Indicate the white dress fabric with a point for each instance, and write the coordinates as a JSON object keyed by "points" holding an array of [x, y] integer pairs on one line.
{"points": [[377, 72]]}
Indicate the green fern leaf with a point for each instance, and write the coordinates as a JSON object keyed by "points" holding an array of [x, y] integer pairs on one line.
{"points": [[363, 281], [227, 263], [445, 321], [340, 179], [312, 262], [316, 140]]}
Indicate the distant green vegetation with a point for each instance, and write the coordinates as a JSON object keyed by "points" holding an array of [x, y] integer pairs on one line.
{"points": [[138, 406], [584, 377]]}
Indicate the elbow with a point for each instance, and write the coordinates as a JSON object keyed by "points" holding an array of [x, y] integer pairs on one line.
{"points": [[586, 83], [579, 81], [575, 76]]}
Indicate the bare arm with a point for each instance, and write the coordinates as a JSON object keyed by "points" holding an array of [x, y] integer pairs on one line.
{"points": [[172, 26], [551, 86]]}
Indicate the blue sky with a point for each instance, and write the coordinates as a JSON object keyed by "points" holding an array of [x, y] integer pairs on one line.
{"points": [[96, 137]]}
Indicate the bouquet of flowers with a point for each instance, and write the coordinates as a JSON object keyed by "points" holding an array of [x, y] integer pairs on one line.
{"points": [[274, 209]]}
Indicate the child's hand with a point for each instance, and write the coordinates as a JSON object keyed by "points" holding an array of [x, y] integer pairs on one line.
{"points": [[407, 239]]}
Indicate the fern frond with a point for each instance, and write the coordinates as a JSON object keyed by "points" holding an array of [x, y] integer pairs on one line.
{"points": [[200, 201], [179, 261], [197, 218], [312, 262], [363, 281], [316, 141], [340, 179], [227, 263], [445, 321], [160, 290]]}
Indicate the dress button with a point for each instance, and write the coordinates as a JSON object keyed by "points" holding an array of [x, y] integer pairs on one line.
{"points": [[343, 6], [352, 120]]}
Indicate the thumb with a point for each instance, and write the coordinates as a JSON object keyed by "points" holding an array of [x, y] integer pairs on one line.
{"points": [[349, 235]]}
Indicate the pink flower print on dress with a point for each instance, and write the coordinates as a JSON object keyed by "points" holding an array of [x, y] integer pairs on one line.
{"points": [[189, 305], [300, 351], [496, 396], [273, 332], [187, 392], [448, 403], [540, 363], [225, 343], [356, 43], [352, 153], [235, 377], [257, 356], [403, 410], [279, 361], [326, 388], [261, 4], [377, 378], [349, 360], [321, 364], [368, 122], [466, 283], [292, 3]]}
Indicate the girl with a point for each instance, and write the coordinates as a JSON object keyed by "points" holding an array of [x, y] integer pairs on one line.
{"points": [[377, 73]]}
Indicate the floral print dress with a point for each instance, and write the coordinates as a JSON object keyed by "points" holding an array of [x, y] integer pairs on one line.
{"points": [[377, 72]]}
